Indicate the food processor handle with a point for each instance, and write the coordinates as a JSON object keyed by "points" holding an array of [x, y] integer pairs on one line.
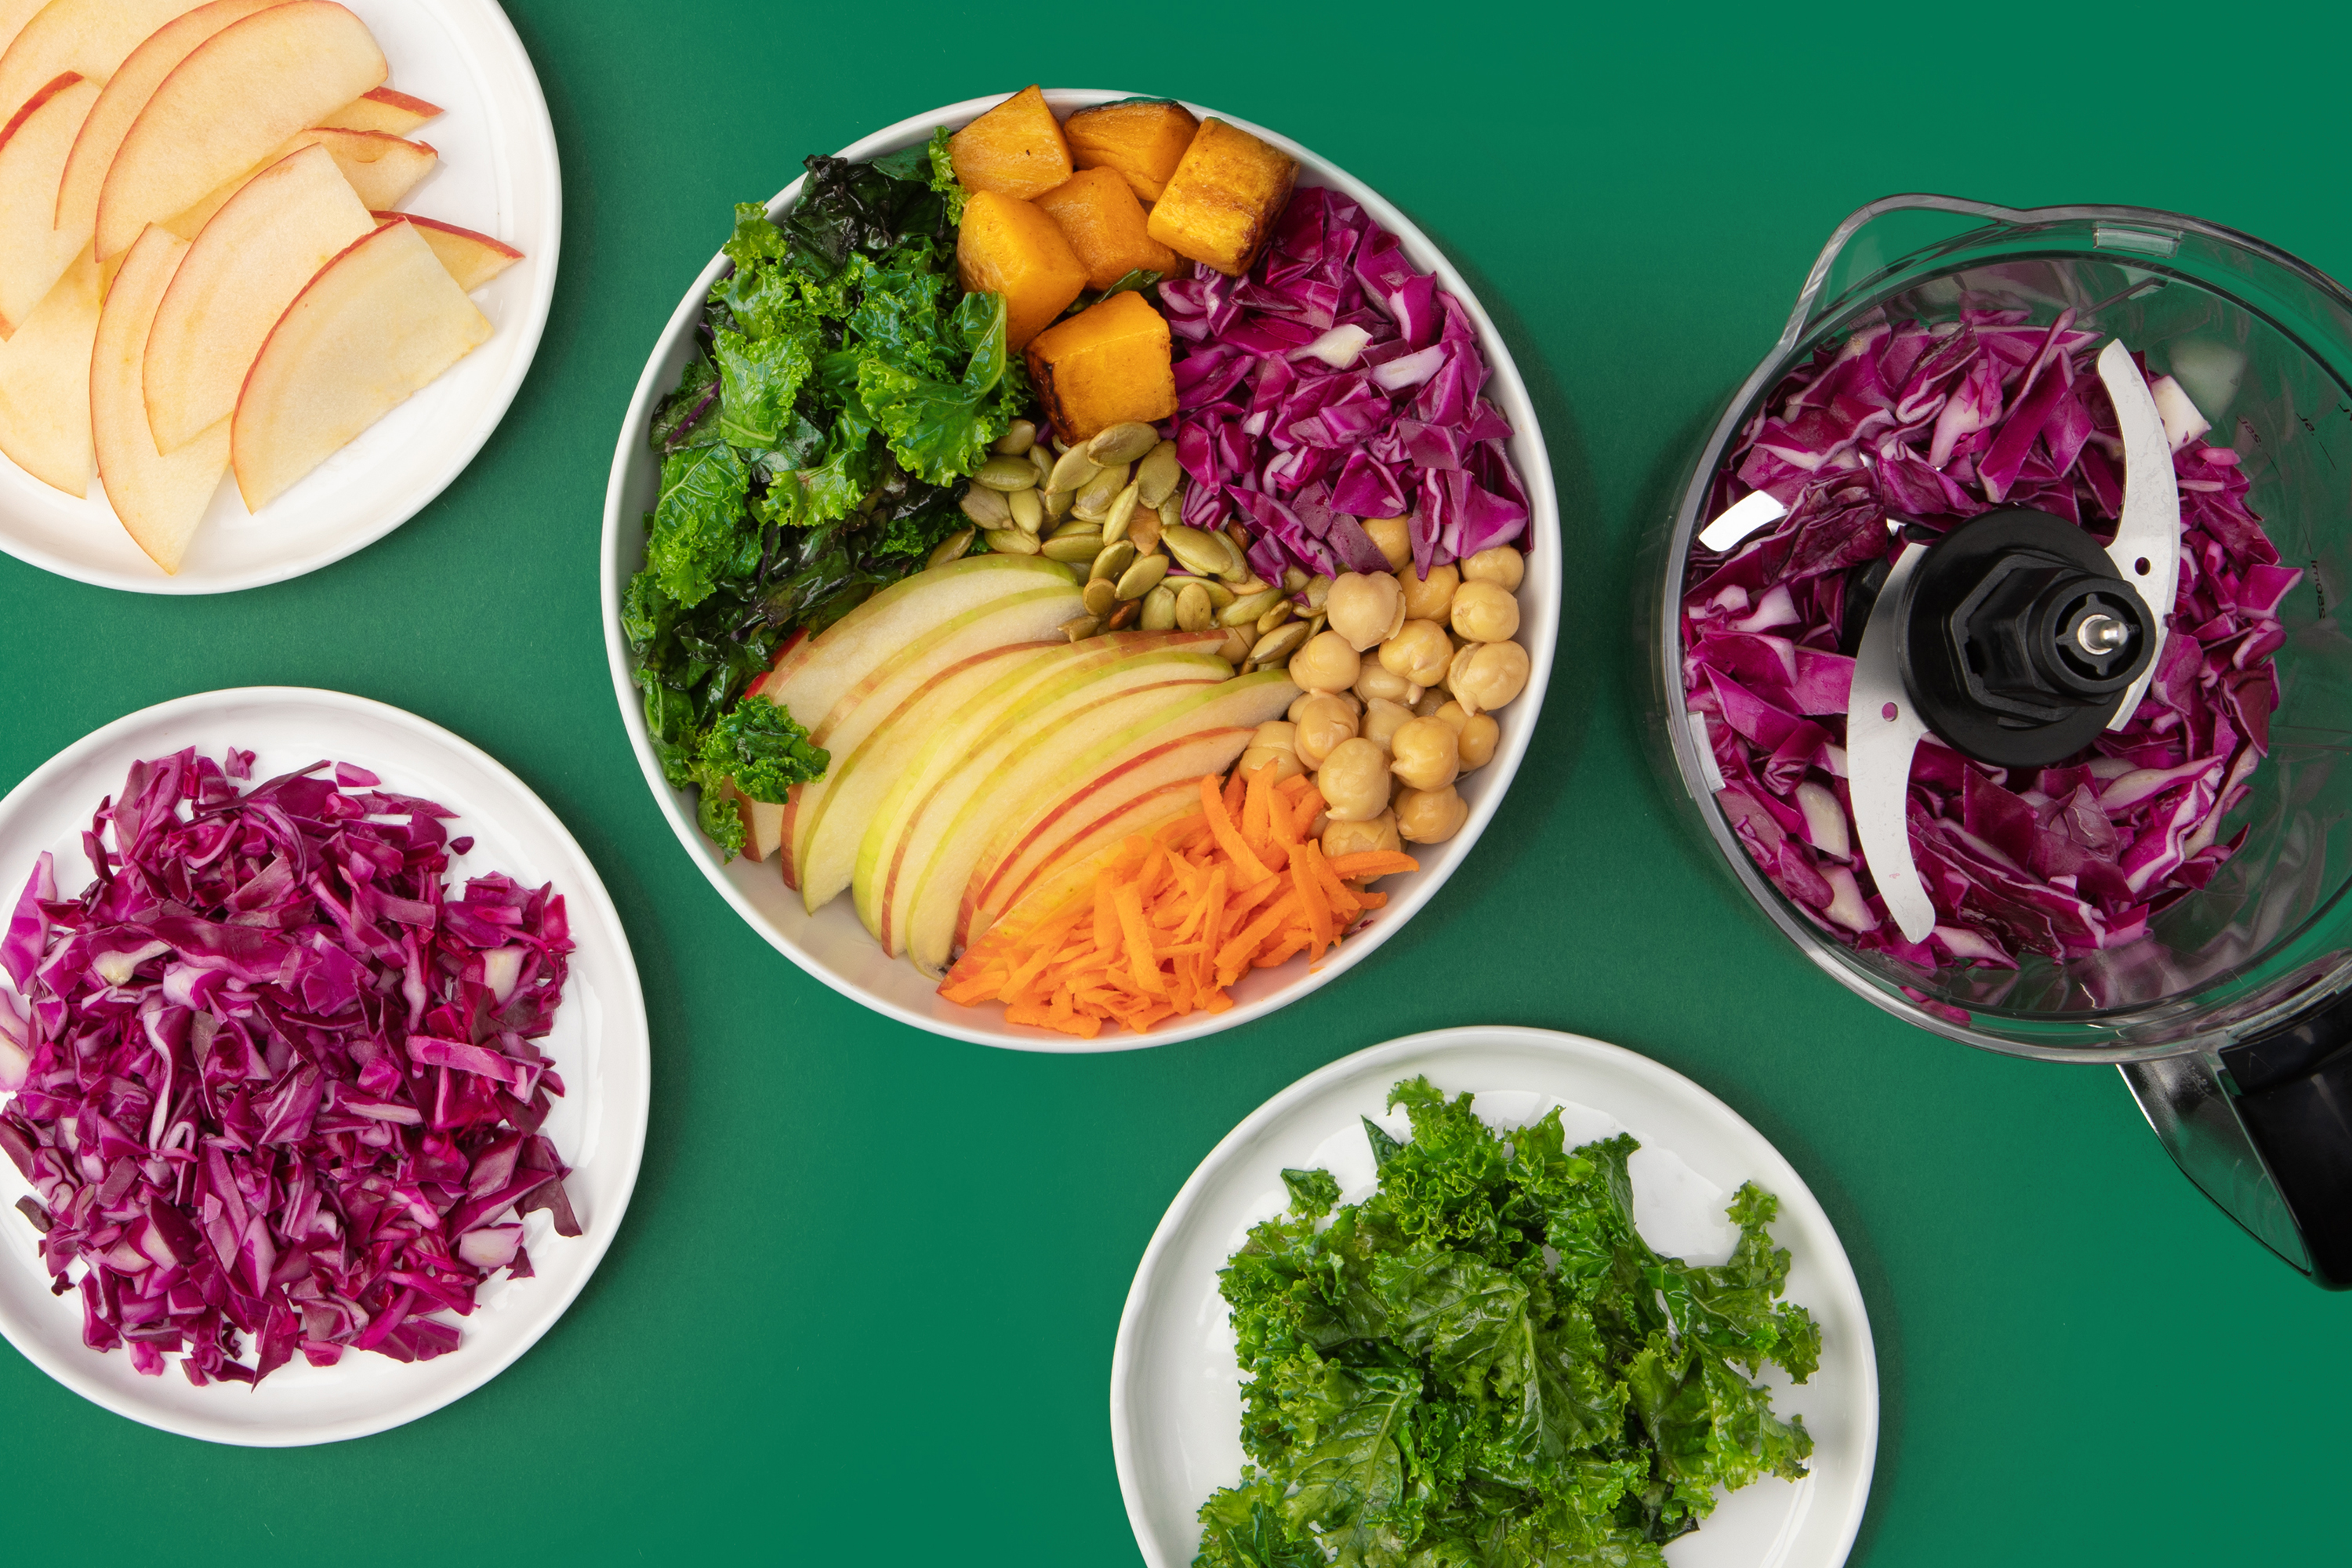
{"points": [[1801, 319]]}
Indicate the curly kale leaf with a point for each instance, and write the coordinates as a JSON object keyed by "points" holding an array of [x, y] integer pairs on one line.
{"points": [[699, 532], [763, 750]]}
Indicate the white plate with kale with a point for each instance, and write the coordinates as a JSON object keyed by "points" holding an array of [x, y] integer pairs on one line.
{"points": [[1035, 462], [1592, 1286]]}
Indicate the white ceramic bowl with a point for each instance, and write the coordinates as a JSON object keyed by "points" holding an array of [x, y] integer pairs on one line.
{"points": [[831, 945]]}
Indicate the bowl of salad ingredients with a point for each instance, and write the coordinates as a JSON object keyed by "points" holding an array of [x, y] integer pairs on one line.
{"points": [[1079, 570]]}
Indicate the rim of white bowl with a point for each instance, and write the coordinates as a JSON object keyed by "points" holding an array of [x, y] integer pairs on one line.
{"points": [[986, 1026]]}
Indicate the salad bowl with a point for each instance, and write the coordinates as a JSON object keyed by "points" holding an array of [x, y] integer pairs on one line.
{"points": [[831, 945]]}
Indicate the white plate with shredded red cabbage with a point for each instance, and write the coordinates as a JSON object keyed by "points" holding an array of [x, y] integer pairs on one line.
{"points": [[325, 1099]]}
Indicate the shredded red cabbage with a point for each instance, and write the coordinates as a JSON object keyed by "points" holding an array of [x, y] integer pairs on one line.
{"points": [[1940, 424], [273, 1078], [1335, 383]]}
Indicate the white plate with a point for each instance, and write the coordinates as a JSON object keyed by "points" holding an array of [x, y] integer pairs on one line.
{"points": [[498, 175], [598, 1045], [1175, 1399], [831, 945]]}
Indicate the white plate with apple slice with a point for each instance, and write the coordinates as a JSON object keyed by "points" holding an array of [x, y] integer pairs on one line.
{"points": [[832, 944], [496, 175]]}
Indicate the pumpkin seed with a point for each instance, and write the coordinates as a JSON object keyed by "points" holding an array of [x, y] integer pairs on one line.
{"points": [[1145, 530], [1073, 469], [1077, 629], [1018, 438], [1315, 627], [1095, 496], [1293, 579], [1076, 525], [1159, 473], [952, 548], [1070, 549], [1122, 444], [1012, 541], [1159, 610], [1041, 461], [1102, 597], [1318, 591], [1218, 594], [1171, 512], [1143, 576], [1058, 504], [1126, 616], [1245, 612], [1114, 559], [1007, 474], [1122, 514], [986, 507], [1028, 510], [1274, 617], [1236, 650], [1200, 553], [1193, 611], [1278, 644]]}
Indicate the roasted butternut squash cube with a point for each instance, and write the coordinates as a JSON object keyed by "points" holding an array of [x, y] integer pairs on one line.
{"points": [[1144, 140], [1014, 150], [1104, 223], [1104, 366], [1009, 248], [1222, 202]]}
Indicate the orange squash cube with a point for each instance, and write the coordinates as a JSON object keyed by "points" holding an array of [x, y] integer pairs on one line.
{"points": [[1104, 223], [1144, 140], [1014, 150], [1220, 204], [1009, 248], [1104, 366]]}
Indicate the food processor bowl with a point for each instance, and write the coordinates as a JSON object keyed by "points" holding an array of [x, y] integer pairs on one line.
{"points": [[2231, 1019]]}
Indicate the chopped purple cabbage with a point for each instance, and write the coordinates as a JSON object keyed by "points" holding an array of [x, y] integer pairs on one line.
{"points": [[1941, 423], [273, 1078]]}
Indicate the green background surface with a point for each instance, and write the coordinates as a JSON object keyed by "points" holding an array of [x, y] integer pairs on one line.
{"points": [[862, 1305]]}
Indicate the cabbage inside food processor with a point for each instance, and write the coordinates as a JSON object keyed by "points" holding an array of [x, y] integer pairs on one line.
{"points": [[1997, 654]]}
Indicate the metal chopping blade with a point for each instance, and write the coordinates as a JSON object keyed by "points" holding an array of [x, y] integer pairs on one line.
{"points": [[2147, 550], [1883, 728]]}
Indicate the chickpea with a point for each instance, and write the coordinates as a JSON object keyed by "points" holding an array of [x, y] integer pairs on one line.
{"points": [[1489, 676], [1424, 754], [1348, 700], [1354, 781], [1326, 663], [1419, 652], [1322, 720], [1475, 734], [1428, 598], [1383, 719], [1502, 566], [1430, 815], [1458, 663], [1275, 741], [1395, 537], [1427, 704], [1485, 612], [1377, 681], [1362, 838], [1366, 610]]}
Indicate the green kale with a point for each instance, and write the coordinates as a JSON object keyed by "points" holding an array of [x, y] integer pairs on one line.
{"points": [[1484, 1363], [699, 531], [759, 746]]}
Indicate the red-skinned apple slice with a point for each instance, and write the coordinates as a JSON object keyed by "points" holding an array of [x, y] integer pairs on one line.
{"points": [[259, 251], [1026, 784], [1012, 864], [382, 169], [1072, 873], [90, 38], [34, 146], [160, 499], [382, 109], [45, 383], [1064, 678], [242, 93], [473, 259], [380, 322], [127, 92], [763, 822], [14, 14]]}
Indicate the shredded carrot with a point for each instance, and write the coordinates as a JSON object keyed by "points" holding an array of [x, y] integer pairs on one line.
{"points": [[1164, 923]]}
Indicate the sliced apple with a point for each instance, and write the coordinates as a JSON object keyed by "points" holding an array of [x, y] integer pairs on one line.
{"points": [[90, 38], [1071, 877], [473, 259], [1030, 782], [381, 171], [820, 671], [1180, 752], [242, 92], [14, 14], [382, 109], [763, 822], [949, 738], [160, 499], [33, 150], [258, 252], [380, 322], [127, 92], [45, 383]]}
